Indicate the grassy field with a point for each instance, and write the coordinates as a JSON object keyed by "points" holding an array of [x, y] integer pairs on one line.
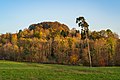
{"points": [[33, 71]]}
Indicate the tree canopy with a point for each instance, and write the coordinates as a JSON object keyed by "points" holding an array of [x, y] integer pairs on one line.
{"points": [[53, 42]]}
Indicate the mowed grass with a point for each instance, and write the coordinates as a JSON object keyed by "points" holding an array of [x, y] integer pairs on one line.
{"points": [[33, 71]]}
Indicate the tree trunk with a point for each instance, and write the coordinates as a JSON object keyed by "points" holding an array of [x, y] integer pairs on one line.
{"points": [[89, 55]]}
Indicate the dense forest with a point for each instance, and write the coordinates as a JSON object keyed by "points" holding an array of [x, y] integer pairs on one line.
{"points": [[53, 42]]}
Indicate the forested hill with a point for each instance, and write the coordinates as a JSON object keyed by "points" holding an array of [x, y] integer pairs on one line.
{"points": [[46, 25], [46, 30], [53, 42]]}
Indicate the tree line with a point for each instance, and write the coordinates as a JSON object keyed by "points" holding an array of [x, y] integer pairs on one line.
{"points": [[53, 42]]}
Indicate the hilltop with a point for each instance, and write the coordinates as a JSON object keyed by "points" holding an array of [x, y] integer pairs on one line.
{"points": [[46, 25]]}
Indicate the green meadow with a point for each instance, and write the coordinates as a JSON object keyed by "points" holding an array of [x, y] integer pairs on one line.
{"points": [[34, 71]]}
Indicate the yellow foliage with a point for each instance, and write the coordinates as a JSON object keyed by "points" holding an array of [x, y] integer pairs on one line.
{"points": [[73, 58]]}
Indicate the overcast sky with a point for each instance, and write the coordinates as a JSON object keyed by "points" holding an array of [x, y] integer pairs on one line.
{"points": [[19, 14]]}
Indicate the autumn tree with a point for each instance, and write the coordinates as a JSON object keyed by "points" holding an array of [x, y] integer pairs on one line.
{"points": [[14, 38], [117, 53], [111, 45], [53, 34]]}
